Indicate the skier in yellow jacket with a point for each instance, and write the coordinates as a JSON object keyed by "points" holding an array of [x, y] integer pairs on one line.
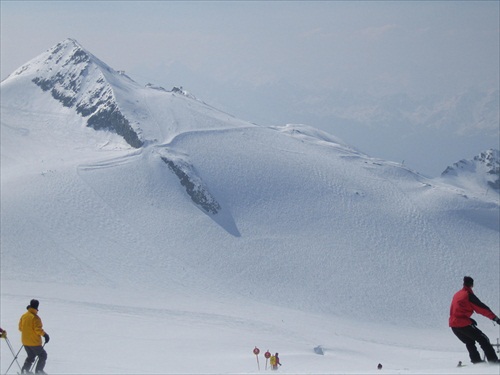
{"points": [[32, 331], [275, 362]]}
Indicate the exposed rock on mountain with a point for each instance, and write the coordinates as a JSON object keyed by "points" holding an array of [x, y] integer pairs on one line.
{"points": [[483, 170], [77, 79]]}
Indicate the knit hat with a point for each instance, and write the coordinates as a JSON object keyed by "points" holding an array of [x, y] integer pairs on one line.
{"points": [[468, 281], [34, 304]]}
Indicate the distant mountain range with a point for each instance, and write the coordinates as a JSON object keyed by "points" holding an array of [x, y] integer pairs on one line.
{"points": [[107, 182], [475, 110]]}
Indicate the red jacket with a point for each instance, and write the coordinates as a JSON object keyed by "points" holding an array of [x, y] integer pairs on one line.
{"points": [[463, 305]]}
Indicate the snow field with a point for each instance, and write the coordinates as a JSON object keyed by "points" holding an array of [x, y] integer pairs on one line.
{"points": [[134, 331]]}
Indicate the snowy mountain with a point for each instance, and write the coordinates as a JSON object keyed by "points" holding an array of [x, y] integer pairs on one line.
{"points": [[77, 79], [150, 208], [480, 173]]}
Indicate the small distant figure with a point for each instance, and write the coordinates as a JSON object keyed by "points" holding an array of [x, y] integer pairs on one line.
{"points": [[460, 364], [379, 366], [275, 361]]}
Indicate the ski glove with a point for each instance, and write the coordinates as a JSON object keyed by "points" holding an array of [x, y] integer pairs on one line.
{"points": [[497, 320], [47, 338], [3, 334]]}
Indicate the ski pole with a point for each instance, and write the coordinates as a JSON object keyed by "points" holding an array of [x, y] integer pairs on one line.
{"points": [[15, 355], [12, 351]]}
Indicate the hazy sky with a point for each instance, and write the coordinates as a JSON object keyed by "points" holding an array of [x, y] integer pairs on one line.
{"points": [[419, 48]]}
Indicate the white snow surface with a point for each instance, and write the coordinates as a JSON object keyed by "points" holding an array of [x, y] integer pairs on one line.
{"points": [[315, 243]]}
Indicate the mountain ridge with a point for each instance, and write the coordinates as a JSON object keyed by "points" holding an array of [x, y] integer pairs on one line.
{"points": [[483, 171]]}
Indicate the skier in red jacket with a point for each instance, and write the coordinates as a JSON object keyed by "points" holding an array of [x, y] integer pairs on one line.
{"points": [[463, 305]]}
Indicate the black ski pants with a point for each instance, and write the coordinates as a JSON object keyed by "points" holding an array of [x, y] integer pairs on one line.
{"points": [[469, 335], [33, 352]]}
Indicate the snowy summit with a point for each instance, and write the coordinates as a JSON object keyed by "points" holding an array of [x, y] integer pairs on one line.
{"points": [[483, 172], [162, 235]]}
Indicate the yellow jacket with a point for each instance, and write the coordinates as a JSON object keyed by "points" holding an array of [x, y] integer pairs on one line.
{"points": [[30, 325]]}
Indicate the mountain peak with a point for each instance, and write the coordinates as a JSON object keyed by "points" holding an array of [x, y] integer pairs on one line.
{"points": [[483, 171], [68, 42], [71, 41], [79, 80], [69, 51], [62, 54], [63, 70]]}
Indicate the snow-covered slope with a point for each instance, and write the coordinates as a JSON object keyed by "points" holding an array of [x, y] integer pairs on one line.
{"points": [[106, 184]]}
